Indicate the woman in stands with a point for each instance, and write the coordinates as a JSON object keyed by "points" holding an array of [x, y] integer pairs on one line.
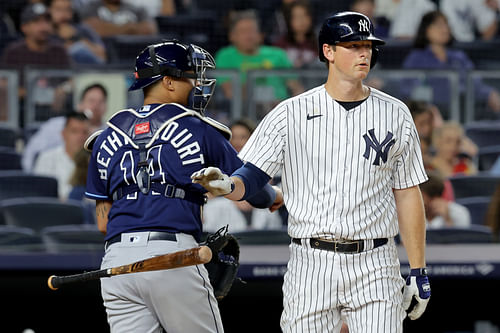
{"points": [[449, 160], [431, 50], [299, 41]]}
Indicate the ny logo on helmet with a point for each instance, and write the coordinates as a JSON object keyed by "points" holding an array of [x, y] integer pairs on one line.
{"points": [[364, 25]]}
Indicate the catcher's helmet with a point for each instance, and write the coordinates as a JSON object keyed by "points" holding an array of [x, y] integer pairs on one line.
{"points": [[171, 58], [348, 27]]}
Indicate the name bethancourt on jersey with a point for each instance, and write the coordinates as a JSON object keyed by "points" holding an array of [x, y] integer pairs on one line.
{"points": [[188, 150]]}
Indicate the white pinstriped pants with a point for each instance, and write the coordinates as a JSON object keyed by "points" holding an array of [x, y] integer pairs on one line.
{"points": [[321, 288]]}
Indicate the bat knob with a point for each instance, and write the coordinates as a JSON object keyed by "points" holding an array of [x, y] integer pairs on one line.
{"points": [[49, 282]]}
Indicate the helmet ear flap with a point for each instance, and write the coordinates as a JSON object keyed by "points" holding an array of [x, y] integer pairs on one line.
{"points": [[374, 58]]}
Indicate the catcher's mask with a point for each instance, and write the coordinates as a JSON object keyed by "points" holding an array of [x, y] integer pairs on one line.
{"points": [[175, 59]]}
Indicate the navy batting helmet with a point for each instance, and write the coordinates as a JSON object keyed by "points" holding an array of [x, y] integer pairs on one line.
{"points": [[171, 58], [348, 27]]}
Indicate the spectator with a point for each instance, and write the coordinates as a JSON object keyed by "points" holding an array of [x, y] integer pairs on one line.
{"points": [[239, 215], [465, 17], [424, 116], [154, 7], [58, 162], [448, 160], [78, 181], [278, 26], [246, 52], [299, 41], [440, 213], [407, 17], [432, 51], [241, 129], [93, 98], [493, 214], [81, 42], [112, 17], [367, 7], [423, 119], [36, 48]]}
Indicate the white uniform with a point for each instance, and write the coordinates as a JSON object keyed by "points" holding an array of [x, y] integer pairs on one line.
{"points": [[338, 171]]}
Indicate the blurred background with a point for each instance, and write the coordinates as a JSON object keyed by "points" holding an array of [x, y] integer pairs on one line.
{"points": [[66, 65]]}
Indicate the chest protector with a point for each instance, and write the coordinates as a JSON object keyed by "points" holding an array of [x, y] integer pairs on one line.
{"points": [[141, 132]]}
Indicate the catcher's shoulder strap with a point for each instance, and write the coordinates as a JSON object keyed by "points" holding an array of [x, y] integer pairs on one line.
{"points": [[89, 143], [223, 129]]}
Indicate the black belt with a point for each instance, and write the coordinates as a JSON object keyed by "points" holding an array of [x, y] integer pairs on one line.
{"points": [[153, 235], [344, 246], [167, 190]]}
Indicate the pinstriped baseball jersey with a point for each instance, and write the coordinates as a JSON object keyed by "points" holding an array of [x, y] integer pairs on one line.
{"points": [[356, 156]]}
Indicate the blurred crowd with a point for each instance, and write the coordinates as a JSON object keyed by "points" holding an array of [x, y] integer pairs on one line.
{"points": [[248, 35]]}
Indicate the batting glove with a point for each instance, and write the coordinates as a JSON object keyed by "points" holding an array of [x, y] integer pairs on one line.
{"points": [[418, 286], [213, 180]]}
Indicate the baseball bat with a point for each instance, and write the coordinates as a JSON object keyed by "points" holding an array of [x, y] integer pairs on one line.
{"points": [[194, 256]]}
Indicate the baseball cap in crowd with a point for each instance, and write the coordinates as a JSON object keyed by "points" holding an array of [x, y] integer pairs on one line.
{"points": [[33, 11]]}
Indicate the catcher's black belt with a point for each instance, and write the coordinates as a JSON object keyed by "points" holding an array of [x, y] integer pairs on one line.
{"points": [[167, 190], [153, 235], [343, 246]]}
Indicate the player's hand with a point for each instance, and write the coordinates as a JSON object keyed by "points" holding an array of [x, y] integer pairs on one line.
{"points": [[213, 180], [417, 286], [278, 202]]}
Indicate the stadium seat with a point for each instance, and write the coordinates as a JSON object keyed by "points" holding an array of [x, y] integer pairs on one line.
{"points": [[455, 235], [72, 238], [9, 159], [198, 28], [487, 157], [17, 239], [477, 206], [483, 54], [474, 186], [483, 133], [40, 212], [8, 136], [394, 53], [17, 184], [263, 237], [122, 50]]}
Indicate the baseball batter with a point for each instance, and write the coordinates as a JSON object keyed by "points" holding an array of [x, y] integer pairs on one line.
{"points": [[139, 174], [351, 164]]}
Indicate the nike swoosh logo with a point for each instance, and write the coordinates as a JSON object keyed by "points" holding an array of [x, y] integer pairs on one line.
{"points": [[313, 116]]}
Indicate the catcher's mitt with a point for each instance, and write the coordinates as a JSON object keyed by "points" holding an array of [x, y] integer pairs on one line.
{"points": [[223, 267]]}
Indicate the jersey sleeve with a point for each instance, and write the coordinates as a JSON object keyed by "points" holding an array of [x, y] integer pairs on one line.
{"points": [[266, 145], [220, 152], [409, 167], [96, 181]]}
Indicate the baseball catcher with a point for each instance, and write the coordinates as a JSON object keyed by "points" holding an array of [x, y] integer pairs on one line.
{"points": [[146, 204]]}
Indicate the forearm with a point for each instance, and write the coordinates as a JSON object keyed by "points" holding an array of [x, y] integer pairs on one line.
{"points": [[102, 210], [239, 189], [411, 221]]}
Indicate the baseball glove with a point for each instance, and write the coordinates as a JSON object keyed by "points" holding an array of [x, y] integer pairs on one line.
{"points": [[223, 267]]}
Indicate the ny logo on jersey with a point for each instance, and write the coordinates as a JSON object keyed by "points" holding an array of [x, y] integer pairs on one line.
{"points": [[364, 25], [381, 149]]}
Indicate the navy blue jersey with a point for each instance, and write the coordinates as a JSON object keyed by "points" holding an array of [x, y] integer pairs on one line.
{"points": [[174, 151]]}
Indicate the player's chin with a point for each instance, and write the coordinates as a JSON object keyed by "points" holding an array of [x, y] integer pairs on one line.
{"points": [[362, 71]]}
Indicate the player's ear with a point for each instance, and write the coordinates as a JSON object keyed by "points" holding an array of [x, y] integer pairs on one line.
{"points": [[168, 83], [328, 52]]}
